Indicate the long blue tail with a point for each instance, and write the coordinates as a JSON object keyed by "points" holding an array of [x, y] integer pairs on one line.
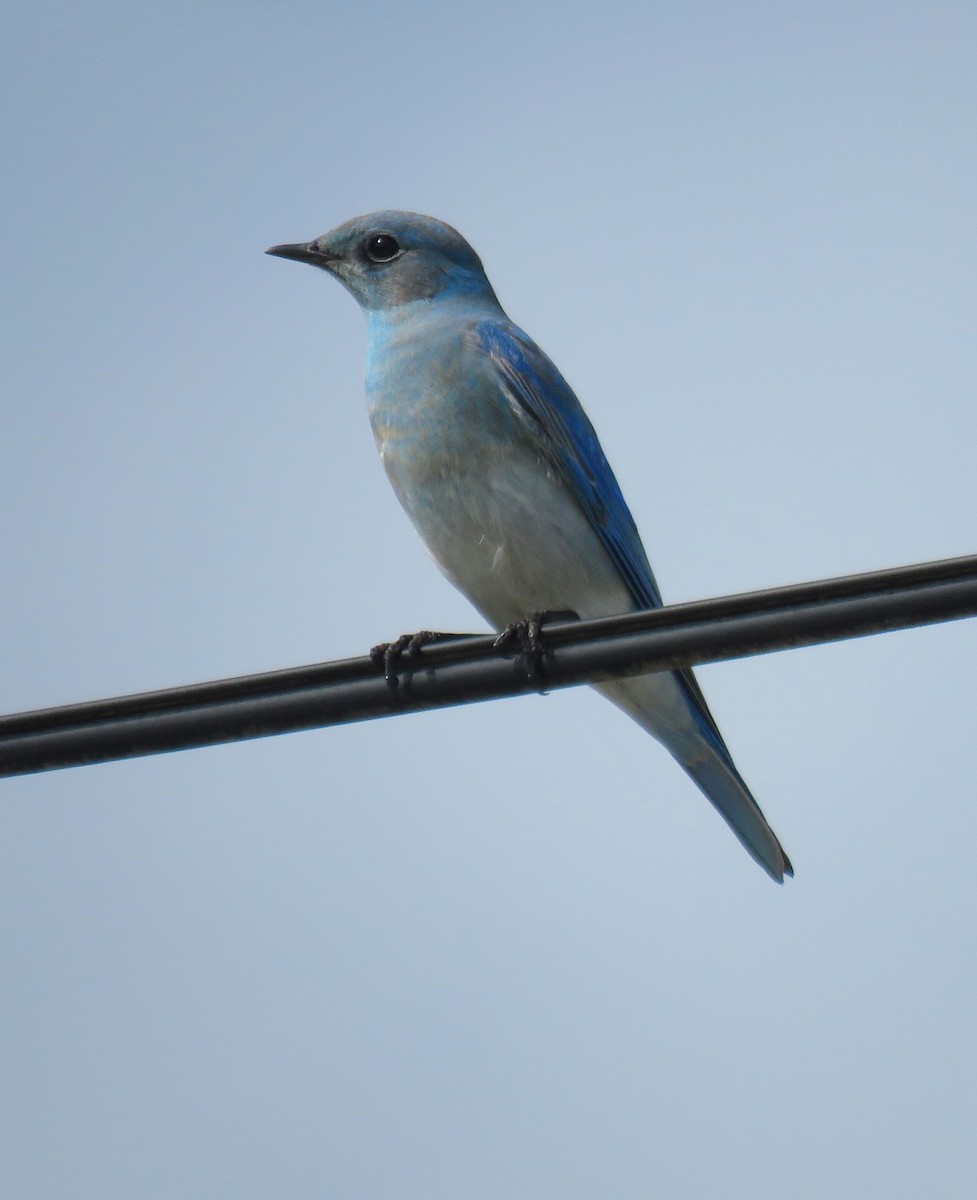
{"points": [[670, 706], [723, 786]]}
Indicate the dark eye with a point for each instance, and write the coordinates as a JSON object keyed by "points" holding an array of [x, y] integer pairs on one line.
{"points": [[381, 247]]}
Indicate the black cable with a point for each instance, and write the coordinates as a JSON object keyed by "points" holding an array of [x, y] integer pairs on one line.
{"points": [[468, 669]]}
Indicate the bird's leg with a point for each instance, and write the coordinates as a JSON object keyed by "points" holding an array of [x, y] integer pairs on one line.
{"points": [[527, 633], [407, 647]]}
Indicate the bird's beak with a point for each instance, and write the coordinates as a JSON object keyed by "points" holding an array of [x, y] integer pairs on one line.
{"points": [[307, 252]]}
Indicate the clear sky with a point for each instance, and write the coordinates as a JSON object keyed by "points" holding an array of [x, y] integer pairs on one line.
{"points": [[506, 951]]}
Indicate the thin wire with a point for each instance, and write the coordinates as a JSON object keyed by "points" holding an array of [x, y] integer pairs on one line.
{"points": [[469, 668]]}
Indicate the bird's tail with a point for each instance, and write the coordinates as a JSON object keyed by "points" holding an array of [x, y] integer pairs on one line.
{"points": [[723, 786], [671, 708]]}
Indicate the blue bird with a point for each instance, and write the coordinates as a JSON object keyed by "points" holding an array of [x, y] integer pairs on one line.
{"points": [[495, 462]]}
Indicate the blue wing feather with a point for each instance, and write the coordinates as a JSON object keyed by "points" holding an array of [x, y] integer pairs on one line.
{"points": [[544, 401]]}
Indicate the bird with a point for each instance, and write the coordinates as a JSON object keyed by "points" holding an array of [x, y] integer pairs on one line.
{"points": [[497, 465]]}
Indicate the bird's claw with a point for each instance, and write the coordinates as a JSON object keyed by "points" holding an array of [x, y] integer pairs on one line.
{"points": [[406, 648], [527, 633]]}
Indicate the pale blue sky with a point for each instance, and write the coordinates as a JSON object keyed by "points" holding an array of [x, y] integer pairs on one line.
{"points": [[506, 951]]}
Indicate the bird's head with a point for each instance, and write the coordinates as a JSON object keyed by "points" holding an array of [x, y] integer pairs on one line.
{"points": [[391, 258]]}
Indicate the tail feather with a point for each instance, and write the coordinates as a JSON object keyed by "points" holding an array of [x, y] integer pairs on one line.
{"points": [[675, 714], [723, 786]]}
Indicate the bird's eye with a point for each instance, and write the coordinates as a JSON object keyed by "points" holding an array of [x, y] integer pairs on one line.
{"points": [[381, 247]]}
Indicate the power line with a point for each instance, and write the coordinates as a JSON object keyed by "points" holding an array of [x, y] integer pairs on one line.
{"points": [[469, 668]]}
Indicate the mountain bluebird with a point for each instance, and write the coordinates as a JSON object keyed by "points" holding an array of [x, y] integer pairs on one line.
{"points": [[498, 467]]}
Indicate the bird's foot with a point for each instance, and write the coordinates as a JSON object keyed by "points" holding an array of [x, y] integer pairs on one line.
{"points": [[406, 649], [527, 634]]}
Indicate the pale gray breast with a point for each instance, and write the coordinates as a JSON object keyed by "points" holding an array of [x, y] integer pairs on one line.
{"points": [[490, 507]]}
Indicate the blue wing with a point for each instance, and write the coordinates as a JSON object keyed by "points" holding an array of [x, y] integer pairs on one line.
{"points": [[544, 401]]}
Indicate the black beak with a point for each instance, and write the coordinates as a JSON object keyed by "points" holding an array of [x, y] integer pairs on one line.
{"points": [[307, 252]]}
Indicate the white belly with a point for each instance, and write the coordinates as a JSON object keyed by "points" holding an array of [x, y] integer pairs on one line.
{"points": [[509, 537]]}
